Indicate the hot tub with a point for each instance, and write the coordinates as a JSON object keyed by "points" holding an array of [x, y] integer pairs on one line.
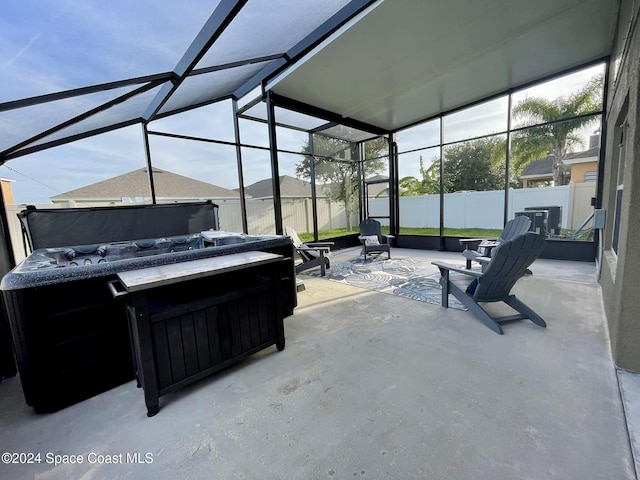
{"points": [[71, 335]]}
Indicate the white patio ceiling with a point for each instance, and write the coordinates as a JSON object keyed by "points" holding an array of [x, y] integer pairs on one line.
{"points": [[402, 61]]}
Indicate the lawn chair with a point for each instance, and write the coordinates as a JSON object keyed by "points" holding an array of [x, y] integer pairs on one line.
{"points": [[476, 248], [373, 240], [312, 254], [509, 262]]}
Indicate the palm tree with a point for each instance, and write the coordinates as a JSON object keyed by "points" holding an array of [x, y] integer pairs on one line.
{"points": [[551, 136]]}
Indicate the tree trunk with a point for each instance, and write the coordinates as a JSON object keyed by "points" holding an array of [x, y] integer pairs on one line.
{"points": [[559, 168], [559, 172], [347, 202]]}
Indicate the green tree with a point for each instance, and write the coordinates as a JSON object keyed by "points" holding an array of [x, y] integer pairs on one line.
{"points": [[427, 184], [553, 138], [336, 168], [474, 165]]}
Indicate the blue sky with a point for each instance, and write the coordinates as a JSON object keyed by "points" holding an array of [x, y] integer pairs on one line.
{"points": [[52, 45]]}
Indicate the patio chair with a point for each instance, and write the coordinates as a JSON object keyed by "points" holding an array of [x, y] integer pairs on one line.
{"points": [[509, 261], [312, 254], [373, 240], [478, 249]]}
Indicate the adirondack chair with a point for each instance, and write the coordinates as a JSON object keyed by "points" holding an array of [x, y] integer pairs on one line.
{"points": [[312, 254], [372, 238], [509, 261], [477, 248]]}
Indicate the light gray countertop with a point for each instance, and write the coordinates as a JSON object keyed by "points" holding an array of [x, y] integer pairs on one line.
{"points": [[146, 278]]}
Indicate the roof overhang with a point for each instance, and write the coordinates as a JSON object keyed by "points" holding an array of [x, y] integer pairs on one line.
{"points": [[398, 63], [574, 161]]}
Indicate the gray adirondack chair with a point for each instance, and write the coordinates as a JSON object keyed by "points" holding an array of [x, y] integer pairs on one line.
{"points": [[509, 262], [313, 254], [372, 238], [478, 249]]}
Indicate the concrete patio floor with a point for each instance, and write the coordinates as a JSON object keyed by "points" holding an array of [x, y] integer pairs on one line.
{"points": [[375, 386]]}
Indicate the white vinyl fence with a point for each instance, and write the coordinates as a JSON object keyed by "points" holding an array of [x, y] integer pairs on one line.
{"points": [[486, 209]]}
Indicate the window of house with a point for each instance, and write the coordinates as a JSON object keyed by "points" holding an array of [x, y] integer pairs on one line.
{"points": [[590, 176]]}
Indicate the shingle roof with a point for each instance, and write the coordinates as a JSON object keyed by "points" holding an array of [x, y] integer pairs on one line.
{"points": [[544, 166], [592, 152], [289, 187], [378, 189], [541, 166], [136, 184]]}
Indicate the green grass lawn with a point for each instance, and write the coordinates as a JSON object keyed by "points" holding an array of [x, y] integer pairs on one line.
{"points": [[449, 232]]}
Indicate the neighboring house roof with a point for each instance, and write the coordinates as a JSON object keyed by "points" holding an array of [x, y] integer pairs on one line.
{"points": [[539, 167], [543, 167], [378, 186], [289, 187], [591, 155], [136, 184]]}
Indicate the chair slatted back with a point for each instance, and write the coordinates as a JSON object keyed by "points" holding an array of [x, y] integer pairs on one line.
{"points": [[371, 227], [514, 227], [509, 263], [307, 255], [291, 233]]}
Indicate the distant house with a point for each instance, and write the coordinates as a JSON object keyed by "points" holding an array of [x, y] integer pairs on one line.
{"points": [[290, 187], [377, 186], [133, 187], [7, 191], [583, 166]]}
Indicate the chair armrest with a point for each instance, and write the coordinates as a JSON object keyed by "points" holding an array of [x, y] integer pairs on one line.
{"points": [[308, 248], [388, 236], [319, 244], [482, 260], [455, 268], [471, 243], [489, 243], [472, 240]]}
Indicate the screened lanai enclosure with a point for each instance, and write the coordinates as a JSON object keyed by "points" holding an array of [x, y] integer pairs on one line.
{"points": [[170, 145], [310, 114]]}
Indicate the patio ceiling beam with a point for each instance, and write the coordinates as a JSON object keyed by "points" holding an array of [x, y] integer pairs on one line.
{"points": [[278, 124], [219, 20], [324, 127], [305, 108]]}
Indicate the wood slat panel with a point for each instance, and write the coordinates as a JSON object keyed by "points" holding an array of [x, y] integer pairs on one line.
{"points": [[163, 358], [189, 349], [214, 336], [176, 352], [202, 339]]}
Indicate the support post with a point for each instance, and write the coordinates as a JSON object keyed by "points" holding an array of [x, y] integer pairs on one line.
{"points": [[243, 201], [441, 248], [392, 185], [507, 163], [312, 173], [147, 151], [275, 172]]}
